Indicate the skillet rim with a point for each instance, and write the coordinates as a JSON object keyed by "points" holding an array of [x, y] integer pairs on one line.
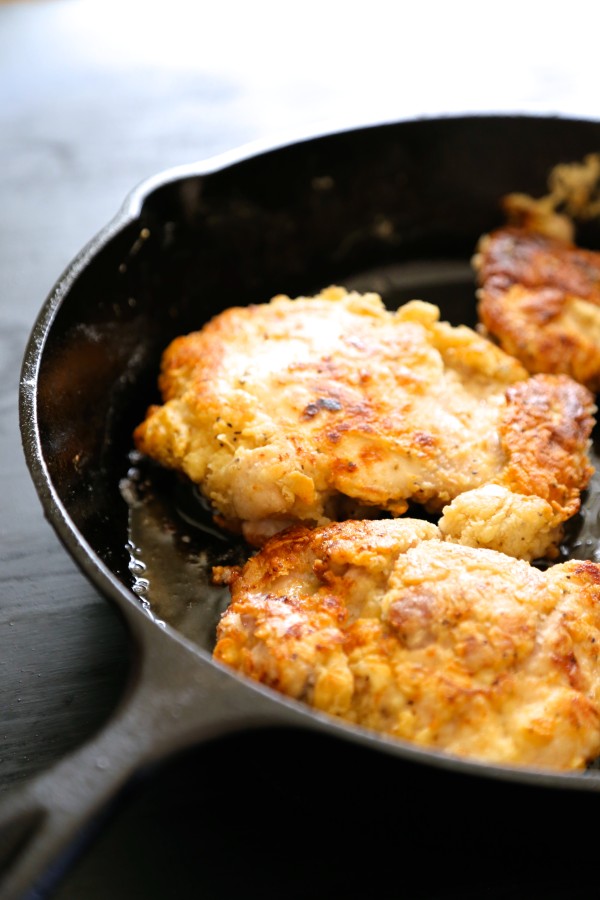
{"points": [[104, 579]]}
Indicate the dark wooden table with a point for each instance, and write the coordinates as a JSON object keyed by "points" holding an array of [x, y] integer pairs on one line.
{"points": [[93, 99]]}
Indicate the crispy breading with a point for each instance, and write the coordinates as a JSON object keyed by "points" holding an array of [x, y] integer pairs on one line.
{"points": [[463, 650], [573, 196], [543, 430], [539, 297], [329, 407]]}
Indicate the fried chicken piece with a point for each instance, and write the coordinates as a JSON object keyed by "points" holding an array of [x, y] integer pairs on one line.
{"points": [[539, 294], [539, 297], [543, 429], [454, 648], [330, 407]]}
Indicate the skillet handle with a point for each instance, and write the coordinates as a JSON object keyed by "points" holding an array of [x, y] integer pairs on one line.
{"points": [[175, 699]]}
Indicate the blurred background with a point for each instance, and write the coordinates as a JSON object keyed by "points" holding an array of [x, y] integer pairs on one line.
{"points": [[95, 96], [105, 92]]}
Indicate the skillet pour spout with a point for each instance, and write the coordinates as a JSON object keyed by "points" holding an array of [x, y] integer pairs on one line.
{"points": [[396, 208]]}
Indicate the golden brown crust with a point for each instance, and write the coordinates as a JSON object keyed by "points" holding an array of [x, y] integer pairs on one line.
{"points": [[539, 297], [463, 650], [330, 407], [545, 432]]}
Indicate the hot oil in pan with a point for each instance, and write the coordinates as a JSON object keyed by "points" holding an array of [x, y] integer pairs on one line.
{"points": [[173, 546], [174, 543]]}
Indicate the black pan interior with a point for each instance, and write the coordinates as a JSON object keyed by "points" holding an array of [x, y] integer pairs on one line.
{"points": [[395, 208]]}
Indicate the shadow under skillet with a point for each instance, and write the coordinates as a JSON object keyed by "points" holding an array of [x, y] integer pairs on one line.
{"points": [[283, 813]]}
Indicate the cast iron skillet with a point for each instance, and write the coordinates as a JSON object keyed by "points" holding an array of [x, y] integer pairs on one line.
{"points": [[395, 207]]}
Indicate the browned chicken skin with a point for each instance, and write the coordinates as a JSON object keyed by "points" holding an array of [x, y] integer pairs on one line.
{"points": [[539, 297], [539, 293], [329, 407], [463, 650]]}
